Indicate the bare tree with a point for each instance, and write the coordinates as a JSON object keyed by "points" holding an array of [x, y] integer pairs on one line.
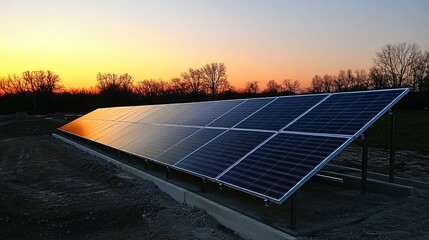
{"points": [[252, 87], [194, 78], [226, 87], [150, 87], [178, 85], [396, 63], [112, 83], [361, 80], [342, 81], [424, 83], [273, 87], [316, 84], [13, 85], [31, 82], [328, 83], [420, 73], [378, 79], [214, 77], [291, 87]]}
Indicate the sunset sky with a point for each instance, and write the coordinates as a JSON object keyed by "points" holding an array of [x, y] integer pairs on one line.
{"points": [[257, 40]]}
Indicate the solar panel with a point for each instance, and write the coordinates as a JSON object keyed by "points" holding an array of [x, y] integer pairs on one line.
{"points": [[162, 141], [207, 115], [188, 145], [217, 155], [280, 164], [196, 109], [282, 111], [162, 115], [111, 131], [115, 132], [131, 133], [345, 113], [267, 147], [240, 112]]}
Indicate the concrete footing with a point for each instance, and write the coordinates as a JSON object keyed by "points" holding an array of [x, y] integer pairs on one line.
{"points": [[245, 226]]}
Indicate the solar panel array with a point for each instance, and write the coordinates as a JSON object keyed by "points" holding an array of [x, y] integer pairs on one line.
{"points": [[267, 147]]}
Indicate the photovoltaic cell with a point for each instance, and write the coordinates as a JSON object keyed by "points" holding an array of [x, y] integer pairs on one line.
{"points": [[162, 115], [99, 127], [196, 109], [188, 145], [207, 115], [345, 113], [217, 155], [136, 115], [278, 165], [130, 134], [240, 112], [114, 133], [144, 138], [162, 142], [147, 112], [281, 112], [82, 127]]}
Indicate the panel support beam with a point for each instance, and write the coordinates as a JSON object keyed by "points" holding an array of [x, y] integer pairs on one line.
{"points": [[203, 185], [168, 173], [364, 176], [293, 211], [392, 146]]}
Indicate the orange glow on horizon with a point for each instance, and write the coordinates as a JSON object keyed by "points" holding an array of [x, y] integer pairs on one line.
{"points": [[160, 39]]}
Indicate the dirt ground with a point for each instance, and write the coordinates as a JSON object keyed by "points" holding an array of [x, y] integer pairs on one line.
{"points": [[50, 190]]}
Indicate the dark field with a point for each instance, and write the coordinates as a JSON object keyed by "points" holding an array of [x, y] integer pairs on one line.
{"points": [[50, 190], [411, 130]]}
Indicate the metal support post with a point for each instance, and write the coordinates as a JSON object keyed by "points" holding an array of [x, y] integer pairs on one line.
{"points": [[392, 146], [203, 183], [364, 163], [168, 173], [293, 212]]}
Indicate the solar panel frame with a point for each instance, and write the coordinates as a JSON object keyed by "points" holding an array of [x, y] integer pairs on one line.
{"points": [[368, 124], [296, 186], [382, 112], [137, 116]]}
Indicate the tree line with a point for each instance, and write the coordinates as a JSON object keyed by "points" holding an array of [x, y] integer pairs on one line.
{"points": [[396, 65]]}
